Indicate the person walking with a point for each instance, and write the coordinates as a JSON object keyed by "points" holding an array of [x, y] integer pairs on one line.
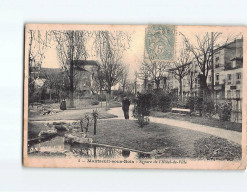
{"points": [[63, 105], [125, 107]]}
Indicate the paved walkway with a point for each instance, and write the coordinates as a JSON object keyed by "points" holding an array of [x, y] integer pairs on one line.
{"points": [[223, 133]]}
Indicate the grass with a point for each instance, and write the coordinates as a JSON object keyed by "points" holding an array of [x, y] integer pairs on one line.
{"points": [[200, 120], [173, 142], [215, 148], [176, 142]]}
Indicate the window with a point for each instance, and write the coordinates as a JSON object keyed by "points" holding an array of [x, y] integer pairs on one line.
{"points": [[229, 77], [217, 77], [217, 59], [238, 75]]}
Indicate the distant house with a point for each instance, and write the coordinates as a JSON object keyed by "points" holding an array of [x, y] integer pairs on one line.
{"points": [[228, 73], [55, 81], [85, 73]]}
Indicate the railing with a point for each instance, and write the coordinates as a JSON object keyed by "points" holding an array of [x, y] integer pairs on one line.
{"points": [[236, 114]]}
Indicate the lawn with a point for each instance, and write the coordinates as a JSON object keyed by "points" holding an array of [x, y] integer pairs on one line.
{"points": [[215, 148], [200, 120], [173, 141], [167, 141]]}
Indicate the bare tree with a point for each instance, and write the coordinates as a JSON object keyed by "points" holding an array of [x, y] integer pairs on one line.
{"points": [[181, 68], [71, 49], [53, 81], [38, 43], [156, 70], [130, 87], [110, 47], [191, 78], [124, 80], [202, 49], [144, 74], [99, 83]]}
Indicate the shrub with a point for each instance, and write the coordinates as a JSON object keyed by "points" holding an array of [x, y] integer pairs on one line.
{"points": [[208, 107], [180, 104], [190, 103], [225, 110], [198, 104], [203, 106], [161, 101], [120, 95], [94, 102], [102, 97], [164, 102], [142, 109]]}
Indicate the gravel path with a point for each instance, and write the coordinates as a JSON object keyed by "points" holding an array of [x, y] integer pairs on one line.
{"points": [[226, 134]]}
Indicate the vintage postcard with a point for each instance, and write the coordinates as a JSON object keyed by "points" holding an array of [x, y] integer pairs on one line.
{"points": [[135, 96]]}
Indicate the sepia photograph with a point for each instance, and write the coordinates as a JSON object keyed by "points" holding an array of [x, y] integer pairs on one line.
{"points": [[134, 96]]}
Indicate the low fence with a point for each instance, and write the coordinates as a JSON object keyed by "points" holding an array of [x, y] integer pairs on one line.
{"points": [[236, 114]]}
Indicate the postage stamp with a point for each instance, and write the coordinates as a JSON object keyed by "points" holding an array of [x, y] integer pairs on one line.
{"points": [[160, 42]]}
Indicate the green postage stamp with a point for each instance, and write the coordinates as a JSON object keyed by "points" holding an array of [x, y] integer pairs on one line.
{"points": [[160, 42]]}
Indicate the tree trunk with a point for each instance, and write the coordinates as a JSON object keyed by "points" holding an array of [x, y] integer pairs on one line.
{"points": [[180, 89], [145, 84], [157, 82], [204, 87], [95, 126], [71, 88], [101, 97], [109, 92], [191, 83]]}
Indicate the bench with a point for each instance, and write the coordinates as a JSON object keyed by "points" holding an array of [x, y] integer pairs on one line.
{"points": [[181, 110]]}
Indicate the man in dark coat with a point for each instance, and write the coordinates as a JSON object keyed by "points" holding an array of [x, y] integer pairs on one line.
{"points": [[125, 107], [63, 105]]}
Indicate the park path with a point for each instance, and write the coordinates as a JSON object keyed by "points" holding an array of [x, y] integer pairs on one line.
{"points": [[223, 133]]}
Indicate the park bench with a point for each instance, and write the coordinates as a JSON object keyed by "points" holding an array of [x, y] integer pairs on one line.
{"points": [[181, 110]]}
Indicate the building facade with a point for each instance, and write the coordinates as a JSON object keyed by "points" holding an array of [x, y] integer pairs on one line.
{"points": [[228, 73]]}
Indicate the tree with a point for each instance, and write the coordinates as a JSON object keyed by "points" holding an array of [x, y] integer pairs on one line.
{"points": [[53, 81], [191, 78], [130, 87], [71, 49], [182, 68], [99, 83], [38, 43], [156, 70], [110, 47], [124, 80], [202, 51], [144, 75], [202, 47]]}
